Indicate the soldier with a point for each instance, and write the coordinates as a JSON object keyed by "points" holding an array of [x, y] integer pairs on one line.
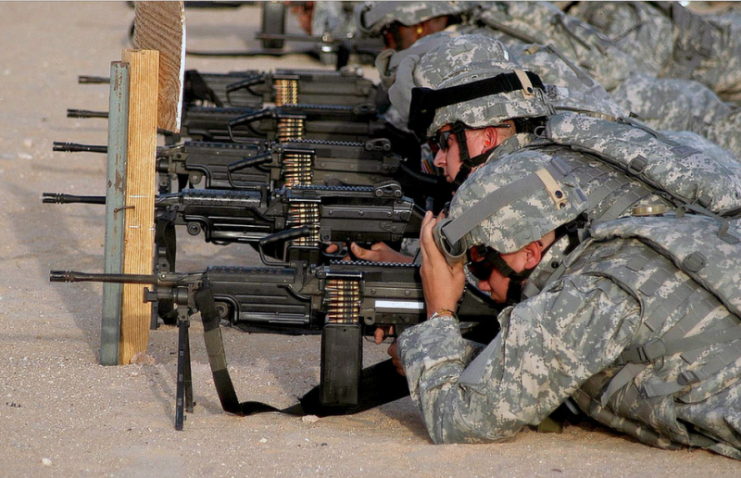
{"points": [[638, 325], [401, 24], [669, 41], [587, 311], [479, 129], [665, 104]]}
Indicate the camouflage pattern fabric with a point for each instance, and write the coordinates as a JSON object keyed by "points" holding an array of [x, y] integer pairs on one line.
{"points": [[664, 104], [543, 23], [681, 105], [610, 192], [646, 44], [566, 342], [663, 161], [526, 217], [461, 60], [659, 42]]}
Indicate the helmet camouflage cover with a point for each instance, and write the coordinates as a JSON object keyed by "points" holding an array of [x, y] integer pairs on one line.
{"points": [[373, 17], [467, 59], [509, 203]]}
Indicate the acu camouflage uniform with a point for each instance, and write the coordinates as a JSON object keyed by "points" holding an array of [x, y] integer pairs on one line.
{"points": [[626, 67], [604, 147], [568, 53], [584, 322], [587, 333], [668, 40]]}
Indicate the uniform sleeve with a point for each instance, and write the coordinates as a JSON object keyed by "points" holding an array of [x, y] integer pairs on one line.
{"points": [[549, 345]]}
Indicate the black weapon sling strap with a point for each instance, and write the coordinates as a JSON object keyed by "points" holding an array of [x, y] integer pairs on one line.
{"points": [[379, 384]]}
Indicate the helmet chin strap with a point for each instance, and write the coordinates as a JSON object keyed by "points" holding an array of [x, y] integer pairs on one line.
{"points": [[467, 162]]}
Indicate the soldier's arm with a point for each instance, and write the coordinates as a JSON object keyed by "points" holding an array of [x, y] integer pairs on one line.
{"points": [[548, 346]]}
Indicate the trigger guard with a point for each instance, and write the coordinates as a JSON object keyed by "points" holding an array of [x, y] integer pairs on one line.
{"points": [[341, 253]]}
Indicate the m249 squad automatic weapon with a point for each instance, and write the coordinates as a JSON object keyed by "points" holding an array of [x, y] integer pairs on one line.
{"points": [[343, 300]]}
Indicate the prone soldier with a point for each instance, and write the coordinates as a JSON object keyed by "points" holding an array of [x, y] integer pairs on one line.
{"points": [[662, 103]]}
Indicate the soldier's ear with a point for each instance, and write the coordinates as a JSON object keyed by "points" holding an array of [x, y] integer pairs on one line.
{"points": [[533, 254], [491, 137]]}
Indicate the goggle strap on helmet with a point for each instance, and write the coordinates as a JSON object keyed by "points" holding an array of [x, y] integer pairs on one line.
{"points": [[426, 101], [455, 230]]}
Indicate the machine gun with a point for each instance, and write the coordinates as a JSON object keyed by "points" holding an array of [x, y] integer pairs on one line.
{"points": [[343, 300], [214, 165], [356, 123], [289, 224], [254, 89]]}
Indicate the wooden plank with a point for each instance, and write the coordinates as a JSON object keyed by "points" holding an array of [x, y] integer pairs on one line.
{"points": [[140, 193], [118, 117], [161, 26]]}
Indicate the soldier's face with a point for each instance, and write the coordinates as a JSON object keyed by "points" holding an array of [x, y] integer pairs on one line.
{"points": [[448, 156], [496, 284], [406, 35]]}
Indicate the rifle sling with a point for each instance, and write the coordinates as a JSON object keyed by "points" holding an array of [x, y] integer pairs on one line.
{"points": [[379, 384], [204, 299]]}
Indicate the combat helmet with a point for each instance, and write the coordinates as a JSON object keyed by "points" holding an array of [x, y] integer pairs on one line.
{"points": [[468, 81], [373, 17], [507, 204]]}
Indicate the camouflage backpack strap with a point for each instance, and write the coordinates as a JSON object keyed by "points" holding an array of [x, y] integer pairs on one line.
{"points": [[682, 173], [710, 256]]}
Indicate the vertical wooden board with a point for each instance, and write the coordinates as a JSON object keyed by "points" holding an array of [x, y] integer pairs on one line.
{"points": [[140, 194], [161, 26], [118, 119]]}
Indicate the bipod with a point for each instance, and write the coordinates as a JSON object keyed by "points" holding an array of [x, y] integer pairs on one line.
{"points": [[184, 394]]}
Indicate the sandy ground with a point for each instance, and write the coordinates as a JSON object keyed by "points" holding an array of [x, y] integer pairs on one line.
{"points": [[62, 414]]}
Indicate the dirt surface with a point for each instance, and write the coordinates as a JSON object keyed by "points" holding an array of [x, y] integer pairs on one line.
{"points": [[62, 414]]}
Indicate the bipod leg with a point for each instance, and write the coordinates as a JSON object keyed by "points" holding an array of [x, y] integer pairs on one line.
{"points": [[184, 397]]}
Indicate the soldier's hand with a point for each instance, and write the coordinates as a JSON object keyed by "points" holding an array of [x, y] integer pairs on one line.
{"points": [[382, 333], [379, 252], [394, 354], [442, 284]]}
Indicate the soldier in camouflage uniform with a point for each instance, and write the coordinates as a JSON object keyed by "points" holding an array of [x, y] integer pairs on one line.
{"points": [[607, 330], [585, 317], [541, 119], [668, 40], [661, 103]]}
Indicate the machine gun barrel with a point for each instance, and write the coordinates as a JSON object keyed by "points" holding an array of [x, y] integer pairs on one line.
{"points": [[58, 198], [73, 276], [93, 80], [64, 147], [75, 113], [165, 279]]}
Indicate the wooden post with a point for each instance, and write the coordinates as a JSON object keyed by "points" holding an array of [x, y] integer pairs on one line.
{"points": [[161, 26], [138, 250], [118, 117]]}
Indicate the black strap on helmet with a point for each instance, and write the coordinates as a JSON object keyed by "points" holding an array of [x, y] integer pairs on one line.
{"points": [[493, 258], [467, 162], [426, 101]]}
